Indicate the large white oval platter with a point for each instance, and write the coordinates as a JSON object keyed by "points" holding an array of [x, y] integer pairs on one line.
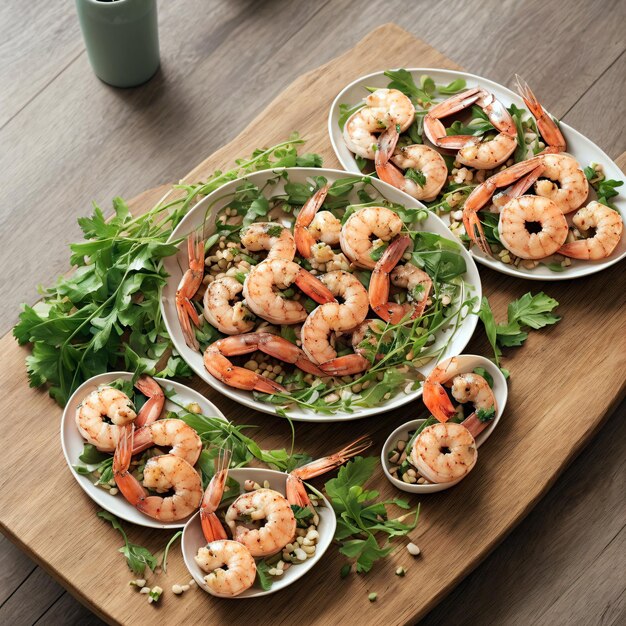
{"points": [[73, 442], [583, 149], [193, 539], [218, 199]]}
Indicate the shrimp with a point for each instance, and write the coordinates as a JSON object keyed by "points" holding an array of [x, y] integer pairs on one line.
{"points": [[187, 289], [419, 159], [183, 441], [275, 238], [335, 316], [222, 310], [472, 151], [162, 474], [534, 211], [606, 223], [443, 453], [567, 185], [219, 366], [104, 401], [362, 227], [547, 127], [416, 281], [383, 108], [466, 387], [295, 490], [153, 407], [522, 173], [262, 521], [265, 280], [311, 226], [230, 567]]}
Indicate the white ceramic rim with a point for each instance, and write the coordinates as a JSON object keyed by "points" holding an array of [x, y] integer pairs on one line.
{"points": [[578, 269]]}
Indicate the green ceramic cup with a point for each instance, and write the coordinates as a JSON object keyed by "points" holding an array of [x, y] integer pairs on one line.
{"points": [[122, 39]]}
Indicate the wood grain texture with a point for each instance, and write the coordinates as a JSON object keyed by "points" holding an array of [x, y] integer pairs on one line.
{"points": [[510, 479]]}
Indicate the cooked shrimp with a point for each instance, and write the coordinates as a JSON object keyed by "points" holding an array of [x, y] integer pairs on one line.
{"points": [[420, 159], [332, 317], [417, 282], [162, 474], [313, 225], [104, 402], [229, 565], [183, 440], [153, 407], [296, 491], [365, 225], [222, 309], [276, 239], [473, 151], [443, 453], [520, 213], [522, 173], [466, 387], [261, 520], [218, 365], [547, 127], [606, 223], [187, 288], [567, 186], [383, 108]]}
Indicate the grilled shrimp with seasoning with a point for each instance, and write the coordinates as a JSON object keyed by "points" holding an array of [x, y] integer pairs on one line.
{"points": [[230, 568], [218, 365], [263, 284], [364, 226], [336, 317], [562, 181], [390, 166], [417, 282], [223, 310], [607, 225], [175, 434], [383, 108], [274, 238], [473, 151], [163, 474]]}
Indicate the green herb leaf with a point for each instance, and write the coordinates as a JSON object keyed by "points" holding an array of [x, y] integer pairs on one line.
{"points": [[263, 579], [417, 176], [451, 88], [486, 415]]}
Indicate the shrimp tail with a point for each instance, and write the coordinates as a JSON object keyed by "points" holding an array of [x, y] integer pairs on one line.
{"points": [[548, 128], [151, 410], [437, 401], [346, 365], [212, 528], [295, 489], [313, 287], [188, 287], [304, 239], [130, 487], [386, 170]]}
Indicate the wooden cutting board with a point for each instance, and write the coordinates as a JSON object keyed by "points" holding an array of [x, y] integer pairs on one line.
{"points": [[564, 382]]}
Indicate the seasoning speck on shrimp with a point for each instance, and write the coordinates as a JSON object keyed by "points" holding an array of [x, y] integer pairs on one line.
{"points": [[606, 223], [365, 225], [383, 108], [274, 238], [222, 309], [264, 283], [418, 158]]}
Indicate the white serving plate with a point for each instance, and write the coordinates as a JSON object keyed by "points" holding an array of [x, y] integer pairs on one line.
{"points": [[73, 442], [467, 362], [175, 265], [193, 539], [581, 148]]}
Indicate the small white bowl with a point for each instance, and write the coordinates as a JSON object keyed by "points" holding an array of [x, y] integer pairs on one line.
{"points": [[467, 362], [193, 539], [73, 442]]}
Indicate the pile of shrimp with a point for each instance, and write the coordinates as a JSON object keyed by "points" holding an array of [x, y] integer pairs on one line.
{"points": [[444, 448], [293, 297], [553, 224], [261, 525], [106, 418]]}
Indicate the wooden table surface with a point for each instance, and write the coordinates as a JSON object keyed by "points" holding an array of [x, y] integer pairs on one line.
{"points": [[68, 139]]}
